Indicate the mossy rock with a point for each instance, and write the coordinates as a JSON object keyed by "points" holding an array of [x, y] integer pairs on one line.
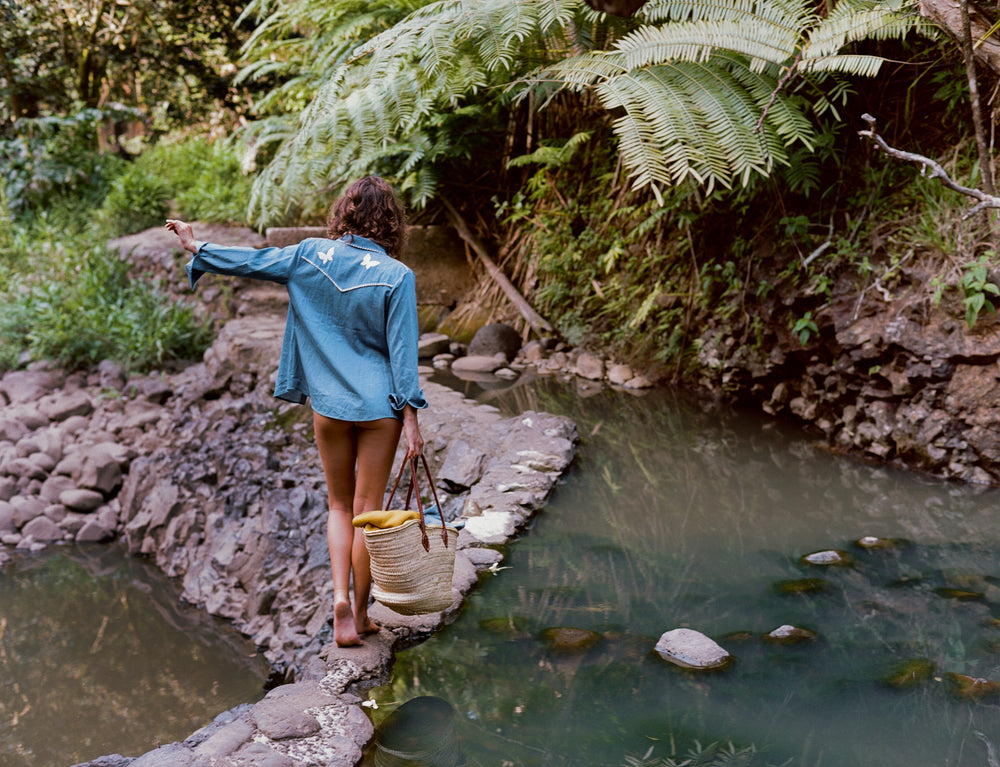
{"points": [[801, 586], [910, 673], [971, 688], [570, 640], [962, 595], [504, 625]]}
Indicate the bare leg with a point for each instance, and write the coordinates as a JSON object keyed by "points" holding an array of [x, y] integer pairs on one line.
{"points": [[370, 446], [377, 442]]}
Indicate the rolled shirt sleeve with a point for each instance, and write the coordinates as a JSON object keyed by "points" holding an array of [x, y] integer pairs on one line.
{"points": [[402, 334], [271, 264]]}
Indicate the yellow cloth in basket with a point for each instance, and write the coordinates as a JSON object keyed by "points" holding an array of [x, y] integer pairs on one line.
{"points": [[383, 519]]}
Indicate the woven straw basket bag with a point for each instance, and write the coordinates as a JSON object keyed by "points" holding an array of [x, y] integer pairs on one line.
{"points": [[413, 564]]}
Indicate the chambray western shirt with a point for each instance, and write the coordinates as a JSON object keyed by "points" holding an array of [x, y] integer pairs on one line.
{"points": [[350, 342]]}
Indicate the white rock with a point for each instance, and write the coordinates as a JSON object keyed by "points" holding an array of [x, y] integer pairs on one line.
{"points": [[620, 374], [829, 557], [476, 364], [691, 649], [589, 366], [639, 382], [493, 527], [787, 634]]}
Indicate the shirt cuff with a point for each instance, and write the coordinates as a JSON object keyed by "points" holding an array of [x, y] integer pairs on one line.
{"points": [[398, 403]]}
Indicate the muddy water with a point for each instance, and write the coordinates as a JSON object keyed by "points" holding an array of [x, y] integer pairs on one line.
{"points": [[98, 657], [675, 515]]}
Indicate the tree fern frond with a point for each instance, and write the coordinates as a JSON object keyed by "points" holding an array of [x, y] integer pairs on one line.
{"points": [[700, 84], [421, 185], [555, 156], [852, 20], [580, 71], [854, 64], [698, 41], [785, 115], [794, 13]]}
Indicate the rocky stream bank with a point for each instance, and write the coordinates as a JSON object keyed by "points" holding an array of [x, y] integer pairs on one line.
{"points": [[203, 472], [889, 376]]}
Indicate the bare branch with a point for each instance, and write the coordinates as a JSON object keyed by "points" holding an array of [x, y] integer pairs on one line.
{"points": [[931, 169]]}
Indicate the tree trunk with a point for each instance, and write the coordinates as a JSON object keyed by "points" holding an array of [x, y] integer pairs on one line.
{"points": [[947, 14], [538, 323], [982, 146]]}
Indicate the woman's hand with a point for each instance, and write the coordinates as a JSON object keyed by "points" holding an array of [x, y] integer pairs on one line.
{"points": [[183, 230], [411, 430]]}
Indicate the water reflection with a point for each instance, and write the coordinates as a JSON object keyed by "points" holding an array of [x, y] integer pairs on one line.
{"points": [[680, 515], [97, 656], [419, 733]]}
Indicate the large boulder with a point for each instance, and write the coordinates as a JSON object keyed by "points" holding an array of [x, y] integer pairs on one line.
{"points": [[494, 339]]}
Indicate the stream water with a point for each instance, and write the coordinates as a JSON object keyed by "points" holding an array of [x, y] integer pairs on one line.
{"points": [[678, 516], [98, 657], [672, 515]]}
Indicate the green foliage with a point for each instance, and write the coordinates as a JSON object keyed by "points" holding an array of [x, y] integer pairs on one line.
{"points": [[58, 57], [608, 271], [138, 200], [204, 179], [82, 306], [977, 287], [699, 91], [54, 160], [805, 328]]}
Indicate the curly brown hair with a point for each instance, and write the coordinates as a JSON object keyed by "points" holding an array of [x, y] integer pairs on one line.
{"points": [[369, 208]]}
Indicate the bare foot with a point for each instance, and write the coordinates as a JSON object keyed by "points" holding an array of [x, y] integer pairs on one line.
{"points": [[343, 626], [366, 626]]}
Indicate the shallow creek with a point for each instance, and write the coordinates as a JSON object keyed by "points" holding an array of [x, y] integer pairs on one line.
{"points": [[98, 657], [672, 515], [678, 516]]}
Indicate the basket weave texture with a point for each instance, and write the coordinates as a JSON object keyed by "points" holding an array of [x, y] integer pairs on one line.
{"points": [[407, 578]]}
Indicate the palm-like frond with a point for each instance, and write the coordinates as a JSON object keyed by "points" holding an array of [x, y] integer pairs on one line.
{"points": [[701, 87], [727, 116]]}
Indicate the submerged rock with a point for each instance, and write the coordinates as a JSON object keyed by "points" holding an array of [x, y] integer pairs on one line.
{"points": [[511, 625], [801, 586], [871, 542], [962, 595], [970, 687], [830, 557], [789, 635], [692, 649], [910, 673], [421, 731], [570, 640]]}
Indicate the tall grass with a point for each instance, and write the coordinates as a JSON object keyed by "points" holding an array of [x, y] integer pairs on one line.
{"points": [[84, 308], [66, 297], [193, 179]]}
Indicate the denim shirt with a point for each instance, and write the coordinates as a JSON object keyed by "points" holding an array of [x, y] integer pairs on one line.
{"points": [[350, 341]]}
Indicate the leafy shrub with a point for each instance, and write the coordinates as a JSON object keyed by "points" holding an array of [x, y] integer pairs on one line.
{"points": [[977, 289], [86, 309], [138, 200], [52, 160], [206, 178]]}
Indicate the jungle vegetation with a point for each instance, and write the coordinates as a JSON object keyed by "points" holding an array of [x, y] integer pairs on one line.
{"points": [[638, 179]]}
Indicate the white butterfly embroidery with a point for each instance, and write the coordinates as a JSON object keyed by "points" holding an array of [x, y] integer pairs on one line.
{"points": [[368, 262], [327, 256]]}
